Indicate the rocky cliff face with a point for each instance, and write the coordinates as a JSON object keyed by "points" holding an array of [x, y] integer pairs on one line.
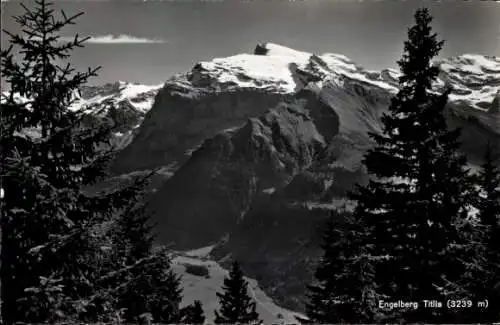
{"points": [[230, 171], [213, 96], [181, 119], [262, 146]]}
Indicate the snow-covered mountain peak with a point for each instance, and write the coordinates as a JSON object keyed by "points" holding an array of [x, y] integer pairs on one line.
{"points": [[269, 70], [472, 63], [272, 68], [246, 70], [139, 96], [474, 78], [124, 103], [92, 98]]}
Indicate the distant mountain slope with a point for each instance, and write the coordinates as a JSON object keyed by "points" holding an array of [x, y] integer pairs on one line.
{"points": [[122, 104], [125, 104], [204, 288]]}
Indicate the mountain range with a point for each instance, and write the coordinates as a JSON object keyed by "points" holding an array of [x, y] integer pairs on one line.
{"points": [[254, 150], [260, 147]]}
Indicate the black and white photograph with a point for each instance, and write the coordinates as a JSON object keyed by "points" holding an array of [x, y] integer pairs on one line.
{"points": [[249, 162]]}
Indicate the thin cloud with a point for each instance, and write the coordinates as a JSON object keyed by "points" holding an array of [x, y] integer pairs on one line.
{"points": [[121, 39]]}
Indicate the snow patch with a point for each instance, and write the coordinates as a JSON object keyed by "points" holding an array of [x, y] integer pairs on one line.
{"points": [[270, 190], [472, 63], [141, 97], [280, 50], [338, 61], [200, 252], [363, 78], [131, 91]]}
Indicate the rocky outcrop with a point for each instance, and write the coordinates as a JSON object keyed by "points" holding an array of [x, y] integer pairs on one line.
{"points": [[260, 49]]}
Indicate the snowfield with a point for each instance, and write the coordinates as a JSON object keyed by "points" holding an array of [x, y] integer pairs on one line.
{"points": [[251, 71], [273, 71]]}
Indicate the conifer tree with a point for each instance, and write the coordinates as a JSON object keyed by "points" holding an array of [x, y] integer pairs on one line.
{"points": [[60, 261], [193, 314], [236, 306], [415, 205], [152, 287], [338, 294], [489, 214], [489, 203], [44, 160], [165, 296]]}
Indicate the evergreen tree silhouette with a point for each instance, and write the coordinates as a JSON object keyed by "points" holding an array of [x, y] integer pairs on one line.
{"points": [[489, 214], [489, 204], [60, 260], [148, 284], [415, 205], [339, 294], [193, 314], [163, 289], [44, 161], [236, 306]]}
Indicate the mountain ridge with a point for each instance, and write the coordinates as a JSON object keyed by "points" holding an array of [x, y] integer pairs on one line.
{"points": [[278, 74], [232, 129], [197, 115]]}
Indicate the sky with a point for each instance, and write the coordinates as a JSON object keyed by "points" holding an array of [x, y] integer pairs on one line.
{"points": [[149, 41]]}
